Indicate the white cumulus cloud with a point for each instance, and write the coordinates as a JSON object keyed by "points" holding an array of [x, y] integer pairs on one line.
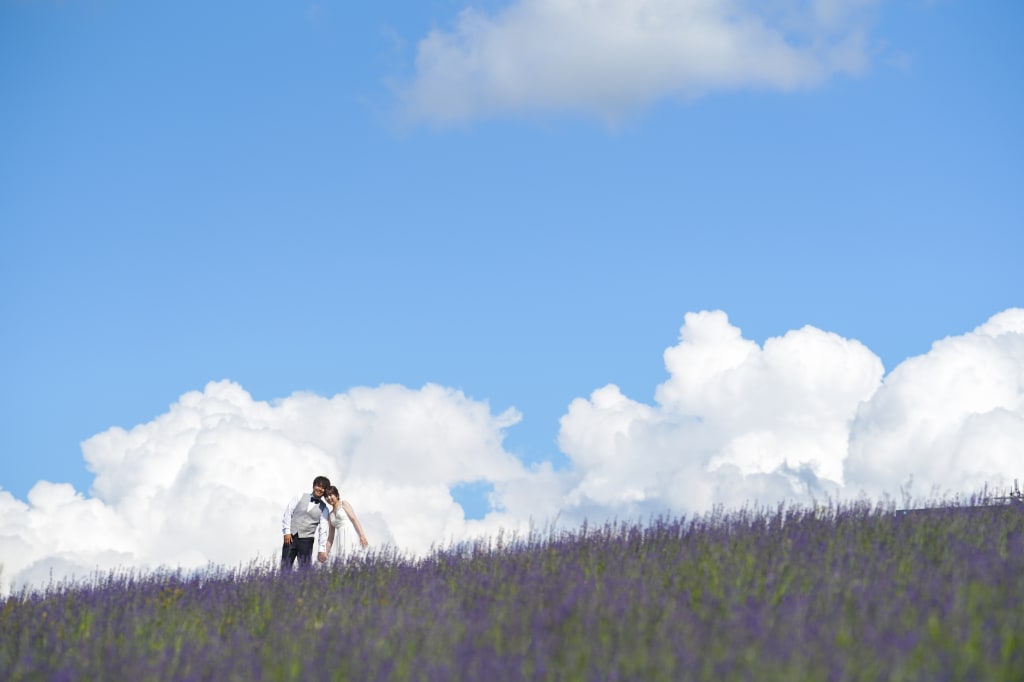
{"points": [[733, 422], [609, 57], [207, 481], [948, 421], [802, 417]]}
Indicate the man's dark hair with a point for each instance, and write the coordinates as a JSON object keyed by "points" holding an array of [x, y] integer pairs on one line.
{"points": [[322, 481]]}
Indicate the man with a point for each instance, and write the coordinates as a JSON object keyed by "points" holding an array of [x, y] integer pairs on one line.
{"points": [[305, 518]]}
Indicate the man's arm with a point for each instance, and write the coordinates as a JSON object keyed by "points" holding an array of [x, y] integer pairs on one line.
{"points": [[321, 535], [286, 519]]}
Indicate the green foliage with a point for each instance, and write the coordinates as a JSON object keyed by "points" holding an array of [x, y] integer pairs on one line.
{"points": [[851, 593]]}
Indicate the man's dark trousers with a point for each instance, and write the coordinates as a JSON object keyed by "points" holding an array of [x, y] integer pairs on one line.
{"points": [[301, 549]]}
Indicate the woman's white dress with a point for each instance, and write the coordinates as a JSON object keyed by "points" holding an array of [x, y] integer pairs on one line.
{"points": [[344, 534]]}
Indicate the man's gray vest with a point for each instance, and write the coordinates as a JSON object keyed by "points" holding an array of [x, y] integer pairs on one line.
{"points": [[304, 522]]}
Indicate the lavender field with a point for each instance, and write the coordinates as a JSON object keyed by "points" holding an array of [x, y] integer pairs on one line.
{"points": [[845, 593]]}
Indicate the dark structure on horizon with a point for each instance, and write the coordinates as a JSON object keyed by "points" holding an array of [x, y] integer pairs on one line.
{"points": [[1015, 495], [1014, 498]]}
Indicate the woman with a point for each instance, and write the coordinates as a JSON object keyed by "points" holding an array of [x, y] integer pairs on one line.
{"points": [[338, 505]]}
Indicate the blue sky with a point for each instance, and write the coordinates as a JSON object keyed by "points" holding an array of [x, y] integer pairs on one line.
{"points": [[275, 194]]}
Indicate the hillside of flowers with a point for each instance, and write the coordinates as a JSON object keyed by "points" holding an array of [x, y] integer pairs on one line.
{"points": [[847, 592]]}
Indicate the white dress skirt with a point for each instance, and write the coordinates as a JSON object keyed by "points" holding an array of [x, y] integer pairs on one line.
{"points": [[344, 534]]}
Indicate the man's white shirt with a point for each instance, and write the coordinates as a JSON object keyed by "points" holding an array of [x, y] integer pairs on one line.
{"points": [[321, 528]]}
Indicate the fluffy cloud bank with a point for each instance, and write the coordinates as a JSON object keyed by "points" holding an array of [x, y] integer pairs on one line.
{"points": [[608, 57], [807, 415]]}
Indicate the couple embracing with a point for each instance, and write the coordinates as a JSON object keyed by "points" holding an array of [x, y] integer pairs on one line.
{"points": [[314, 517]]}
